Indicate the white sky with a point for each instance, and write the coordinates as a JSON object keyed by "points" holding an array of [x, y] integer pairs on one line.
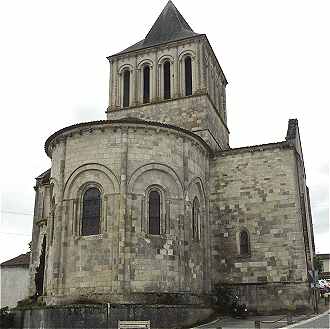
{"points": [[54, 72]]}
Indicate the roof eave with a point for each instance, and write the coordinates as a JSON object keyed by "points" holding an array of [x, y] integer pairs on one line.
{"points": [[152, 46], [207, 40]]}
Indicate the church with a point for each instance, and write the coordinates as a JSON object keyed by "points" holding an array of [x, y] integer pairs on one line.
{"points": [[150, 208]]}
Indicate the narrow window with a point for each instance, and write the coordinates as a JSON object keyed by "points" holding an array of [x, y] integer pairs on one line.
{"points": [[154, 213], [195, 219], [91, 212], [167, 80], [244, 243], [126, 88], [40, 270], [188, 76], [146, 84]]}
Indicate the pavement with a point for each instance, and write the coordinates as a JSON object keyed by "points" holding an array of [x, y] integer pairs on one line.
{"points": [[273, 321]]}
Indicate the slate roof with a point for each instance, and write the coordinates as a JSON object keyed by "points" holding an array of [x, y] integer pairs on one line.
{"points": [[21, 260], [43, 178], [169, 26]]}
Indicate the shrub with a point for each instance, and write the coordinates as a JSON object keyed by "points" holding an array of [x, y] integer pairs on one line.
{"points": [[6, 318], [224, 297]]}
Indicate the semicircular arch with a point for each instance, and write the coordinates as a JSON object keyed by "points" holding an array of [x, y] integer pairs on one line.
{"points": [[91, 168], [155, 167], [197, 182]]}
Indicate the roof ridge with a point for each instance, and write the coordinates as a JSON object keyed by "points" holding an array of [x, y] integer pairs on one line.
{"points": [[169, 26]]}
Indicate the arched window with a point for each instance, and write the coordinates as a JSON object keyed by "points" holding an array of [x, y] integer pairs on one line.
{"points": [[146, 84], [244, 243], [126, 88], [167, 79], [91, 212], [188, 76], [154, 212], [195, 219]]}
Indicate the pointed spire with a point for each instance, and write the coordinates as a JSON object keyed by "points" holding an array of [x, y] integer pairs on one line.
{"points": [[169, 26]]}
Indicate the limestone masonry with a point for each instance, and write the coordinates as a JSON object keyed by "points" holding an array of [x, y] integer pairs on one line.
{"points": [[151, 206]]}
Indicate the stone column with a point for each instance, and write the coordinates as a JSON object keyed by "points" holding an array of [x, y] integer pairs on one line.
{"points": [[110, 84], [123, 235], [60, 220], [154, 85], [177, 75]]}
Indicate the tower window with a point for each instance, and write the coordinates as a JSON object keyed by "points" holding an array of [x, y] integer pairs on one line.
{"points": [[91, 212], [146, 84], [167, 80], [188, 76], [126, 88], [154, 212], [244, 243], [196, 219]]}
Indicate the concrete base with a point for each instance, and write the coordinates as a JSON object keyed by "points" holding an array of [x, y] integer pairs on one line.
{"points": [[107, 316]]}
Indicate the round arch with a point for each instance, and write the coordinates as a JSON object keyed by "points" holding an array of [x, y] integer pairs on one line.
{"points": [[90, 167], [155, 166], [200, 185]]}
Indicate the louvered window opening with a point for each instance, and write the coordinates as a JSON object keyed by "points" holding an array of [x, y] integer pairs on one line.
{"points": [[91, 212], [146, 84], [126, 88], [188, 76], [154, 213], [167, 80]]}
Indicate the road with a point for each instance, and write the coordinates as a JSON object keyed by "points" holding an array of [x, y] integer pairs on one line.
{"points": [[318, 322]]}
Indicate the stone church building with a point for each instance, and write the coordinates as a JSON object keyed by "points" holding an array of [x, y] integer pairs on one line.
{"points": [[152, 206]]}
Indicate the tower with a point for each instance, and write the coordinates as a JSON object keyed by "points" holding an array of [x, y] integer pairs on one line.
{"points": [[148, 210], [171, 76]]}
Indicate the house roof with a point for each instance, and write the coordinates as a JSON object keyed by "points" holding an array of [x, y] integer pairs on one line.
{"points": [[21, 260], [169, 26], [323, 256]]}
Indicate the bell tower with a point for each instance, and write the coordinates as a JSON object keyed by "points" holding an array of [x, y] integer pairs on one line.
{"points": [[171, 76]]}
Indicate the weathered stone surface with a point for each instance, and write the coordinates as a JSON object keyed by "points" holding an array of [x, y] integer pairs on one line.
{"points": [[107, 316], [180, 147]]}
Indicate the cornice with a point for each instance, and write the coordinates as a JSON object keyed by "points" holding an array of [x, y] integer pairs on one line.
{"points": [[101, 125], [158, 45]]}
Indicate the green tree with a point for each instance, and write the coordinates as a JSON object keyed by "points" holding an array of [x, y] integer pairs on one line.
{"points": [[318, 264]]}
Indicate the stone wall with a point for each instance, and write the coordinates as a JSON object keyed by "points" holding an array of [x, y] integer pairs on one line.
{"points": [[124, 260], [195, 113], [107, 316], [256, 189], [275, 298], [207, 75], [206, 114]]}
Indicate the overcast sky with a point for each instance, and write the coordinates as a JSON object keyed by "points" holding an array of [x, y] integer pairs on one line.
{"points": [[54, 72]]}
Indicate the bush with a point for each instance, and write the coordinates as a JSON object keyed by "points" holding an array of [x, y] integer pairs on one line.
{"points": [[224, 297], [6, 318]]}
